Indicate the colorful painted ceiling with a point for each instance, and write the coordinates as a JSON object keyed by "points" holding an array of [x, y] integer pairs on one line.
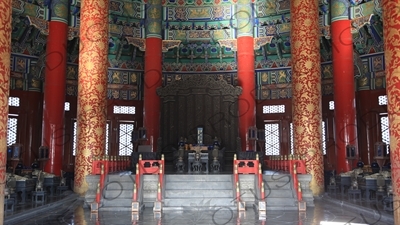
{"points": [[193, 31]]}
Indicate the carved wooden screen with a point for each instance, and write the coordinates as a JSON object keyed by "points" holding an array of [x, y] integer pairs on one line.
{"points": [[194, 101]]}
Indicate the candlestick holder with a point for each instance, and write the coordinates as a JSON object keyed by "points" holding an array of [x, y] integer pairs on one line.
{"points": [[380, 155]]}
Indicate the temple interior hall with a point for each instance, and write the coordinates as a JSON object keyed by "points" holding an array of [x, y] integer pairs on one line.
{"points": [[199, 112]]}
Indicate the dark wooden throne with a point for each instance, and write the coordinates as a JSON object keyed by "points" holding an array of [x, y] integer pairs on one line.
{"points": [[199, 101]]}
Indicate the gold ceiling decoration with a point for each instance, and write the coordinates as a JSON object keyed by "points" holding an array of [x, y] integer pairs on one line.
{"points": [[359, 22], [168, 44], [260, 41], [137, 42], [41, 24], [229, 43]]}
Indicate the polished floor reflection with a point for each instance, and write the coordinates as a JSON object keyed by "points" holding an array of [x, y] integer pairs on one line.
{"points": [[324, 210]]}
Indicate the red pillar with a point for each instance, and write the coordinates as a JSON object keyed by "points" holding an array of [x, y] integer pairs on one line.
{"points": [[5, 53], [152, 80], [246, 79], [344, 93], [152, 72], [54, 95], [391, 31]]}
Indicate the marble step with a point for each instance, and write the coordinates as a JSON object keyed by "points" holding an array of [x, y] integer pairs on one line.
{"points": [[197, 185], [281, 208], [118, 185], [119, 202], [249, 195], [278, 193], [199, 202], [122, 177], [116, 208], [198, 177], [278, 185], [281, 201], [150, 177], [114, 194], [277, 176], [211, 193]]}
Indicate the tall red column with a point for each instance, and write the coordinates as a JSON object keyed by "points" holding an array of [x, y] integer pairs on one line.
{"points": [[5, 55], [54, 88], [343, 78], [246, 79], [152, 80], [152, 73], [306, 88], [246, 73], [92, 89], [391, 33]]}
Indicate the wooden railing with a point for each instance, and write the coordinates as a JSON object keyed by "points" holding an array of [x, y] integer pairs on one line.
{"points": [[261, 183], [285, 162], [296, 183], [144, 167], [103, 165], [99, 192], [248, 167], [136, 185], [111, 164], [154, 167], [292, 164]]}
